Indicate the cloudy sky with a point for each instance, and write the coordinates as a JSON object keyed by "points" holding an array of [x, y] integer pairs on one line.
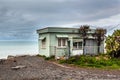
{"points": [[19, 19]]}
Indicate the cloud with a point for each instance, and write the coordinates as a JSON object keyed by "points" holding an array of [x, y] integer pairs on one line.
{"points": [[19, 19]]}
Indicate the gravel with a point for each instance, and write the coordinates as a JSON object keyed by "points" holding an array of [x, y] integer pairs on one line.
{"points": [[39, 69]]}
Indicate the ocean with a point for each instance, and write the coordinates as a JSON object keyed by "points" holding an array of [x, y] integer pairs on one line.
{"points": [[17, 48]]}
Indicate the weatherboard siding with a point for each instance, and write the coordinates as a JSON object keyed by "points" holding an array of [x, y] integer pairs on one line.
{"points": [[44, 51]]}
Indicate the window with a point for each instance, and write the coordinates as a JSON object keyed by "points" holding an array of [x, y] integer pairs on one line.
{"points": [[62, 42], [44, 43], [80, 45], [77, 45], [59, 42]]}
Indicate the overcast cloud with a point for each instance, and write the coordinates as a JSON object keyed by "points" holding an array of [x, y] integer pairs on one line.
{"points": [[19, 19]]}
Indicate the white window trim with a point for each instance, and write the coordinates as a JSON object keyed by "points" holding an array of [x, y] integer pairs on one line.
{"points": [[78, 46], [61, 39]]}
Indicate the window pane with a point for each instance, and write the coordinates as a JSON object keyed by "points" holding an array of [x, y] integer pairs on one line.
{"points": [[74, 45], [59, 42], [77, 45], [80, 45], [64, 42]]}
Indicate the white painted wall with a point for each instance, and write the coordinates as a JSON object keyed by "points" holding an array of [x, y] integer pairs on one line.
{"points": [[77, 52]]}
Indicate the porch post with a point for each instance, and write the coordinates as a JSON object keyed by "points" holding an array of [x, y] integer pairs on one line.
{"points": [[68, 48], [70, 45]]}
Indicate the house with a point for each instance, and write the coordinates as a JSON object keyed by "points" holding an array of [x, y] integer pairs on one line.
{"points": [[59, 41]]}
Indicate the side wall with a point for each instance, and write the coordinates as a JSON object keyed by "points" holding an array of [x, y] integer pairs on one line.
{"points": [[102, 47], [44, 51], [92, 47]]}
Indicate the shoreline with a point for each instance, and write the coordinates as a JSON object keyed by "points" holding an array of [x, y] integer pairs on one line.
{"points": [[19, 55]]}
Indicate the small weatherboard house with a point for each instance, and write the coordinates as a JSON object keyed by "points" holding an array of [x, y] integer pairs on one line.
{"points": [[59, 41]]}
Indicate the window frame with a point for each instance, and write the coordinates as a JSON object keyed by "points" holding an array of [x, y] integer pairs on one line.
{"points": [[78, 46], [43, 43], [62, 42]]}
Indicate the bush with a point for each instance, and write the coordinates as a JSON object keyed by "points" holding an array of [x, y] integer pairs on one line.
{"points": [[46, 58], [40, 55], [91, 61], [50, 58]]}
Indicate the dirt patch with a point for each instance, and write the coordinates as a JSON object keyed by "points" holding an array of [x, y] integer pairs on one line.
{"points": [[39, 69]]}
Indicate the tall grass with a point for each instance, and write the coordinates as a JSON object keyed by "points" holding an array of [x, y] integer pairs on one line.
{"points": [[94, 61]]}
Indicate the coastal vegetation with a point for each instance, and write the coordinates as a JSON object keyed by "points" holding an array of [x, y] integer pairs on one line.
{"points": [[102, 61], [113, 44], [99, 61]]}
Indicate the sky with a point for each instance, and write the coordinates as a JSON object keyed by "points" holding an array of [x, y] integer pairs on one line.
{"points": [[19, 19]]}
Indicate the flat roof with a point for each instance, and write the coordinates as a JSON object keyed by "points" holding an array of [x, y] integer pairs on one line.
{"points": [[60, 30]]}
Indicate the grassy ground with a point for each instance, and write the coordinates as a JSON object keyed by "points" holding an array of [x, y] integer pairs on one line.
{"points": [[101, 61]]}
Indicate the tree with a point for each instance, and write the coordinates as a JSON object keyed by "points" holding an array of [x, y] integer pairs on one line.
{"points": [[83, 30], [99, 36], [113, 44]]}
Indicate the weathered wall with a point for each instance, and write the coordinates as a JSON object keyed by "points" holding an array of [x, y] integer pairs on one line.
{"points": [[44, 51]]}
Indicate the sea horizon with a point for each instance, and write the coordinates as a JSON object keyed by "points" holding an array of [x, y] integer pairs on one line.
{"points": [[17, 48]]}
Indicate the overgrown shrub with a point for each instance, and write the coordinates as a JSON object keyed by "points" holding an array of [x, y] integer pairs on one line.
{"points": [[40, 55], [113, 44], [92, 61], [46, 58], [50, 58]]}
